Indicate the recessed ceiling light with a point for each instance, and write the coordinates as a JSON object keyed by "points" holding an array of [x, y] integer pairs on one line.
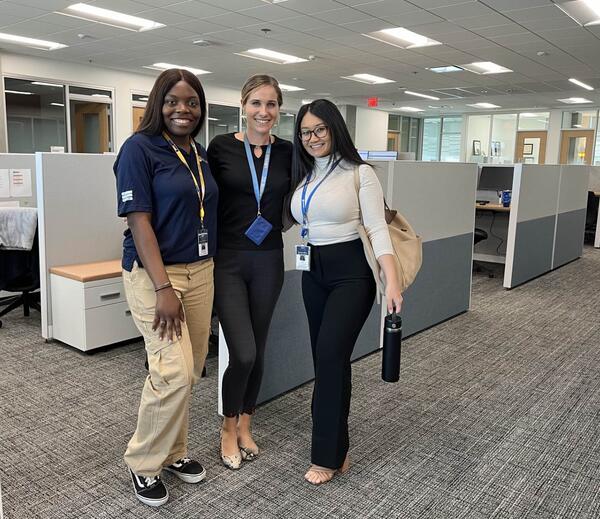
{"points": [[108, 17], [20, 92], [307, 101], [290, 88], [585, 12], [57, 104], [288, 115], [580, 83], [369, 79], [401, 37], [41, 83], [143, 99], [485, 67], [484, 105], [31, 42], [529, 114], [409, 109], [212, 119], [274, 1], [166, 66], [443, 70], [271, 56], [426, 96], [574, 100]]}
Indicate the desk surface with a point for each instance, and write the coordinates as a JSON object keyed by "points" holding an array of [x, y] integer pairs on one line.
{"points": [[89, 271], [492, 207]]}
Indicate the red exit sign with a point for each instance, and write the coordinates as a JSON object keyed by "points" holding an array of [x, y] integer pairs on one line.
{"points": [[373, 102]]}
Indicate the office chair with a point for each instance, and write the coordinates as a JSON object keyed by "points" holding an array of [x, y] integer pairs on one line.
{"points": [[20, 272], [480, 235], [591, 216]]}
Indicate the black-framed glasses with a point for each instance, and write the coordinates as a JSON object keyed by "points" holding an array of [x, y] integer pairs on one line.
{"points": [[320, 133]]}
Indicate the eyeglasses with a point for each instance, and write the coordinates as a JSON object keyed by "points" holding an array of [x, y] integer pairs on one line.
{"points": [[320, 133]]}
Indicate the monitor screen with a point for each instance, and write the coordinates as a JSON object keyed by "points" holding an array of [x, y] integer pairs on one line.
{"points": [[383, 155], [495, 178]]}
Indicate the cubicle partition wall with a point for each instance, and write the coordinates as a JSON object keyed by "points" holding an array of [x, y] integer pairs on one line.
{"points": [[77, 216], [547, 219], [438, 200], [594, 186], [25, 164]]}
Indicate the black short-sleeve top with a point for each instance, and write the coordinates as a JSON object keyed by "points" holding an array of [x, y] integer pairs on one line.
{"points": [[152, 179], [237, 203]]}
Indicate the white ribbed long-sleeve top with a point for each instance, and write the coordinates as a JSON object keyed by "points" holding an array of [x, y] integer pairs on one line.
{"points": [[334, 211]]}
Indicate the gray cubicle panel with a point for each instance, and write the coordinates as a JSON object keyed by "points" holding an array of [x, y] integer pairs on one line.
{"points": [[20, 161], [77, 216], [547, 220], [594, 185], [438, 199]]}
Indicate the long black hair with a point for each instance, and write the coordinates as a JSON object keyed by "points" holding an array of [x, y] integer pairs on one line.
{"points": [[153, 123], [341, 143]]}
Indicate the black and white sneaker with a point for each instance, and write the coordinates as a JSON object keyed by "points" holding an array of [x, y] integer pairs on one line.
{"points": [[187, 470], [149, 490]]}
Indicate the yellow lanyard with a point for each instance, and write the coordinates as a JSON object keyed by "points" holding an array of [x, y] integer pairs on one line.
{"points": [[199, 191]]}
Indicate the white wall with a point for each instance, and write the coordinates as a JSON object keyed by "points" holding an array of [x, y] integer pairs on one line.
{"points": [[124, 84], [371, 129], [553, 137]]}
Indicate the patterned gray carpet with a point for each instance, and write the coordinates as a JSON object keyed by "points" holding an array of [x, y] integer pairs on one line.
{"points": [[497, 415]]}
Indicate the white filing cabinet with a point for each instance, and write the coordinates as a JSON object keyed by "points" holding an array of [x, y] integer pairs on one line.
{"points": [[89, 309]]}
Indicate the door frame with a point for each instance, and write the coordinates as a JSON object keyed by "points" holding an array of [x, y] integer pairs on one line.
{"points": [[531, 134], [565, 135]]}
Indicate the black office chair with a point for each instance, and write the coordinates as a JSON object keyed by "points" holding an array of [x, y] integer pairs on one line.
{"points": [[591, 216], [20, 272], [480, 235]]}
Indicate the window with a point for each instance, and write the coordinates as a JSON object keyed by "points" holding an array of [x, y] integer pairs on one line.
{"points": [[533, 121], [285, 128], [35, 115], [222, 119], [431, 138], [406, 133], [441, 139], [579, 120], [91, 120]]}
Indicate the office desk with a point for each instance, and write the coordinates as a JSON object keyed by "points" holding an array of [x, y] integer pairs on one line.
{"points": [[498, 208]]}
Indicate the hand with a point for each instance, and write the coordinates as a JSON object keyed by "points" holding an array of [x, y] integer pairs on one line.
{"points": [[393, 297], [168, 315]]}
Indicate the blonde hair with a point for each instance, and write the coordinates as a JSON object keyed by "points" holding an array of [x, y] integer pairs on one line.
{"points": [[258, 81]]}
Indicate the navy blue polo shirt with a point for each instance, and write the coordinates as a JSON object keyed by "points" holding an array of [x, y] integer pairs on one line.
{"points": [[152, 179]]}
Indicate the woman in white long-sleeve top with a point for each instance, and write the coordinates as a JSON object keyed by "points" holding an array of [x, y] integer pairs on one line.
{"points": [[337, 283]]}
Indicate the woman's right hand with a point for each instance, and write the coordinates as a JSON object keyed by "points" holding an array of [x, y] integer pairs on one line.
{"points": [[168, 315]]}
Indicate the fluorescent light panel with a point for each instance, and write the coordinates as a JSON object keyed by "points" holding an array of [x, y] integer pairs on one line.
{"points": [[409, 109], [369, 79], [20, 92], [401, 37], [271, 56], [108, 17], [426, 96], [167, 66], [290, 88], [584, 12], [485, 67], [41, 83], [484, 105], [31, 42], [574, 100], [57, 104], [580, 83], [447, 68]]}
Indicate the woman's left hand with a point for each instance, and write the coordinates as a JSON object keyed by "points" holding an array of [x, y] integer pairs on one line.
{"points": [[393, 297]]}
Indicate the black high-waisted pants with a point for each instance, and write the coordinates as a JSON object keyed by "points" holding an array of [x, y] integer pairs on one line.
{"points": [[338, 296], [247, 286]]}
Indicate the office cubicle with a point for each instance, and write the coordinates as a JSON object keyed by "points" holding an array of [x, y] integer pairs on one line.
{"points": [[594, 186], [438, 201], [17, 180], [77, 216], [543, 228]]}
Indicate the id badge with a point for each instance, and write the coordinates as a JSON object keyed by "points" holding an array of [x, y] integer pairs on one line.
{"points": [[303, 257], [202, 242]]}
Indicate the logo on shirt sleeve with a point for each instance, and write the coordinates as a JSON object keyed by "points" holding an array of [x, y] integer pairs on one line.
{"points": [[127, 196]]}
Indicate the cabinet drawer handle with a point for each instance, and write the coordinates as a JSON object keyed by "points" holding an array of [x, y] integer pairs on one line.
{"points": [[112, 295]]}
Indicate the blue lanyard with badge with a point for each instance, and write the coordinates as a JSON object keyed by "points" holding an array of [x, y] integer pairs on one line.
{"points": [[200, 191], [260, 227], [303, 251]]}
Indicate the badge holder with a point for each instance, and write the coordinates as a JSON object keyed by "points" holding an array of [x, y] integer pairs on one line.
{"points": [[202, 242], [303, 257], [259, 229]]}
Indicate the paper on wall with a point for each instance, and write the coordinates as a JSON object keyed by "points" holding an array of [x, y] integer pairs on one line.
{"points": [[20, 183], [4, 184]]}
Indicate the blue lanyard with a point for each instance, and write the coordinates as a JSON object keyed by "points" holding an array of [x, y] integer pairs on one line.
{"points": [[258, 193], [305, 202]]}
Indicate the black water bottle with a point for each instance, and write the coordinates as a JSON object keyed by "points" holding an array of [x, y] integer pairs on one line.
{"points": [[392, 343]]}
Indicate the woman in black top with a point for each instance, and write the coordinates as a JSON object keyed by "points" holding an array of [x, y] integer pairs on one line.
{"points": [[252, 170]]}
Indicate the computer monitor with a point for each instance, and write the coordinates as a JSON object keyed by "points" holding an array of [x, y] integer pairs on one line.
{"points": [[383, 155], [364, 154], [495, 178]]}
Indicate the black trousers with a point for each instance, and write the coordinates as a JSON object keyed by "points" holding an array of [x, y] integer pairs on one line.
{"points": [[247, 286], [338, 296]]}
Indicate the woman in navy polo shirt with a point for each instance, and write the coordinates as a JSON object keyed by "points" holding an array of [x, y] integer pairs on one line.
{"points": [[166, 191]]}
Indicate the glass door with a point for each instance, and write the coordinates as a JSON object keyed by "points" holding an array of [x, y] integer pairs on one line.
{"points": [[576, 146]]}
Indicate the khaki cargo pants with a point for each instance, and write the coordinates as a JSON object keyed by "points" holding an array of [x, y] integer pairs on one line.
{"points": [[162, 428]]}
